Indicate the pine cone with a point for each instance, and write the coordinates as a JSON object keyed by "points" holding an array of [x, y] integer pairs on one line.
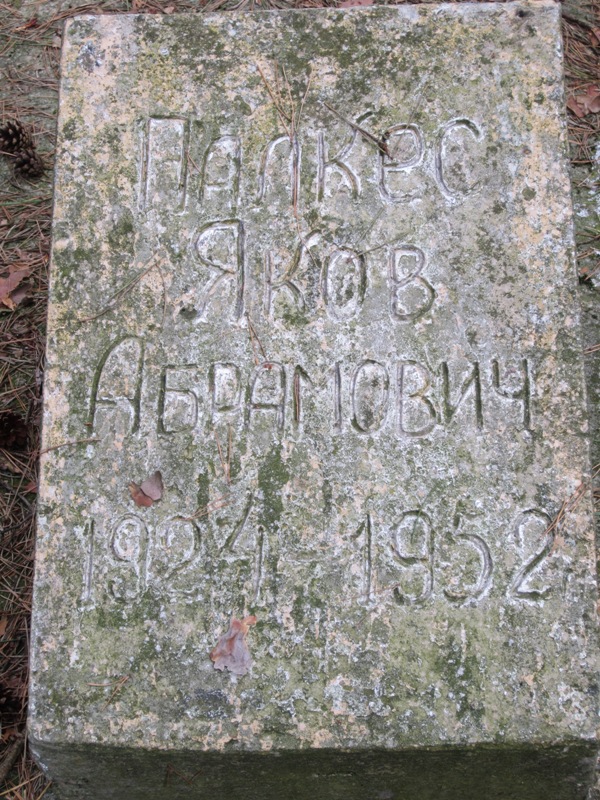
{"points": [[14, 137], [28, 164]]}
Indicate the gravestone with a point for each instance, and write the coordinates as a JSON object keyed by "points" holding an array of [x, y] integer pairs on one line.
{"points": [[315, 268]]}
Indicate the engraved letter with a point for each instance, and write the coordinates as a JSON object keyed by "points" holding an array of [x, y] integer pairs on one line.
{"points": [[450, 158], [349, 178], [294, 167], [129, 545], [176, 544], [225, 387], [344, 284], [370, 391], [534, 539], [164, 164], [366, 527], [411, 294], [337, 397], [472, 384], [220, 247], [416, 413], [412, 544], [523, 394], [476, 587], [406, 146], [177, 401], [267, 392], [221, 170], [300, 377], [288, 281], [117, 384]]}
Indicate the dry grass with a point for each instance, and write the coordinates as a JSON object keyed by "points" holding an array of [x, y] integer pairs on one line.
{"points": [[29, 49]]}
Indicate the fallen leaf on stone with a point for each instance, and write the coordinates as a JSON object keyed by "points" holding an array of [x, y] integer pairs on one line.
{"points": [[150, 491], [232, 651], [10, 283]]}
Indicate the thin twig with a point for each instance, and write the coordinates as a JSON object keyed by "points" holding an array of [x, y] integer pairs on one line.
{"points": [[254, 340], [569, 505], [283, 116], [214, 505], [68, 444], [378, 142], [10, 756], [118, 685], [118, 296], [222, 460]]}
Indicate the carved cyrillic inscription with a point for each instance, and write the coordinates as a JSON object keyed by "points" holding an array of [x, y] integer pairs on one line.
{"points": [[225, 388], [403, 397], [344, 283], [338, 165], [413, 547], [411, 294], [220, 246], [470, 388], [450, 157], [267, 393], [176, 543], [178, 401], [467, 563], [271, 168], [417, 415], [130, 548], [164, 164], [415, 556], [221, 171], [317, 275], [370, 396], [403, 161], [406, 146], [522, 395], [534, 534], [117, 385]]}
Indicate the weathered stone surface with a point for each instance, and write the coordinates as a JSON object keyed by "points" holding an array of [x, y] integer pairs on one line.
{"points": [[315, 267]]}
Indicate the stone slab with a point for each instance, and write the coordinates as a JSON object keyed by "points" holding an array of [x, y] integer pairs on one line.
{"points": [[316, 267]]}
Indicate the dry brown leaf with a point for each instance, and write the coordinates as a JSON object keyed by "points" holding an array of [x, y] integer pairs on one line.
{"points": [[149, 492], [153, 486], [18, 296], [139, 497], [232, 651], [593, 99], [349, 3], [9, 733], [3, 624], [9, 284], [583, 104], [573, 105]]}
